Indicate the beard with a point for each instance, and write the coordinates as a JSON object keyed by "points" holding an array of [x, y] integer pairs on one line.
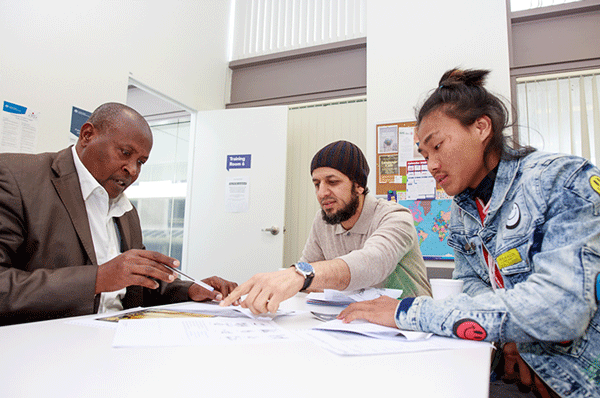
{"points": [[344, 213]]}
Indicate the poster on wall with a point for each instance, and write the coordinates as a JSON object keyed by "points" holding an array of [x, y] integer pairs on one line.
{"points": [[420, 184], [432, 220], [78, 118], [19, 129], [402, 176], [406, 146], [388, 168], [237, 195], [388, 139]]}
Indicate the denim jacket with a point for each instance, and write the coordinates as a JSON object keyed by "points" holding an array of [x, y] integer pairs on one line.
{"points": [[543, 229]]}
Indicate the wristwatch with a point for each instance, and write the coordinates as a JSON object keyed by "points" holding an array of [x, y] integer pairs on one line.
{"points": [[307, 271]]}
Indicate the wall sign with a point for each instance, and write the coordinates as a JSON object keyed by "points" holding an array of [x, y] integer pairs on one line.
{"points": [[238, 161], [78, 118]]}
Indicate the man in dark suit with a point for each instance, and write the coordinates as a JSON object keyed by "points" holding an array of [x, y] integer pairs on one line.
{"points": [[70, 241]]}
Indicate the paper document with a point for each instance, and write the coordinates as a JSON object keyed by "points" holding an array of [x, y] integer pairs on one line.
{"points": [[231, 311], [338, 298], [169, 332], [182, 310], [356, 344], [372, 330]]}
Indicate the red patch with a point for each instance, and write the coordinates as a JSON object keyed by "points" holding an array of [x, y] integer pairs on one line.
{"points": [[468, 329]]}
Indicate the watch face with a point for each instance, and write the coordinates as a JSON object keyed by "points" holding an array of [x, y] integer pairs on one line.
{"points": [[306, 268]]}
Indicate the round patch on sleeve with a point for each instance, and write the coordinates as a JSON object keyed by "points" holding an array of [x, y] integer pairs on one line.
{"points": [[468, 329], [595, 183]]}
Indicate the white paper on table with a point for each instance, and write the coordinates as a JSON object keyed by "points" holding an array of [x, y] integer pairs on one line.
{"points": [[231, 311], [206, 308], [372, 330], [169, 332], [356, 344], [97, 322], [373, 293], [336, 297], [268, 315]]}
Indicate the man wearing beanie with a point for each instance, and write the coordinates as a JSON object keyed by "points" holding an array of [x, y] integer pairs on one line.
{"points": [[356, 241]]}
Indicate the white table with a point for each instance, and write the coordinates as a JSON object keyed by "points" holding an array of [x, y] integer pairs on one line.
{"points": [[58, 359]]}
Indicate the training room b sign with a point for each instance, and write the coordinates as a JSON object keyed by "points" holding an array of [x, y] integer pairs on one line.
{"points": [[238, 161]]}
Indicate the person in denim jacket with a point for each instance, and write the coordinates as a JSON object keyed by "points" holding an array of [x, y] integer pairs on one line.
{"points": [[525, 229]]}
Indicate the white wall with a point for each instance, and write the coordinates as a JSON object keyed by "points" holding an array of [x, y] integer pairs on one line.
{"points": [[412, 43], [56, 55]]}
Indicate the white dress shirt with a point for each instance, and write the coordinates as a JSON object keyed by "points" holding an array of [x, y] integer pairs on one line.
{"points": [[101, 211]]}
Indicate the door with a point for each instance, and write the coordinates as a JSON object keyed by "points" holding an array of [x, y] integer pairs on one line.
{"points": [[227, 233]]}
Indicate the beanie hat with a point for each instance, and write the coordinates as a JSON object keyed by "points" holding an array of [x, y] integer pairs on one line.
{"points": [[345, 157]]}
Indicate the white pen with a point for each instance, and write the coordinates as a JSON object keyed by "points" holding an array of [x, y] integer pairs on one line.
{"points": [[204, 285]]}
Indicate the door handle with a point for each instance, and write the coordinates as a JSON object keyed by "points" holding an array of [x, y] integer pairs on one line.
{"points": [[273, 230]]}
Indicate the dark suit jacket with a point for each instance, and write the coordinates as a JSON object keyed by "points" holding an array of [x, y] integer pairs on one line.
{"points": [[47, 259]]}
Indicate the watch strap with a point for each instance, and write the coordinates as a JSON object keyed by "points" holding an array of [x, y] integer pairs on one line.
{"points": [[308, 277], [307, 281]]}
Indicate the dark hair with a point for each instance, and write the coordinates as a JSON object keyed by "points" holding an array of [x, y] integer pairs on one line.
{"points": [[108, 115], [461, 95]]}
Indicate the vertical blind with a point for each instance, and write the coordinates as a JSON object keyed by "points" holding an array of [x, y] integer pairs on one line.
{"points": [[264, 27], [519, 5], [561, 113], [310, 128]]}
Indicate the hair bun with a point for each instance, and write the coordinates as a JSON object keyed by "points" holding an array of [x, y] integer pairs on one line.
{"points": [[469, 77]]}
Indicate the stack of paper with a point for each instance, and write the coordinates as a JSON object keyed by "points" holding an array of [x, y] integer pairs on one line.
{"points": [[198, 331], [356, 344], [372, 330], [338, 298]]}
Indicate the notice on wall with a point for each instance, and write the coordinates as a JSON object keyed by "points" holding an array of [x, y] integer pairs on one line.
{"points": [[420, 184], [237, 195], [78, 119], [407, 148], [387, 139], [19, 129], [388, 168]]}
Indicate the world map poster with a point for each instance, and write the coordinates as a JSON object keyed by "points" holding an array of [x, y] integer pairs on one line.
{"points": [[432, 218]]}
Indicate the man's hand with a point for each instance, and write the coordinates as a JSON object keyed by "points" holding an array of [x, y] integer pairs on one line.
{"points": [[135, 267], [222, 289], [516, 370], [266, 291], [382, 311]]}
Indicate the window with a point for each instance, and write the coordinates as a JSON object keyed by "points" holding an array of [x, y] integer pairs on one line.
{"points": [[159, 193], [520, 5], [561, 113]]}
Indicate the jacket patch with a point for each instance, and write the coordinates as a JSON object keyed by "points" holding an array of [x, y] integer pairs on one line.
{"points": [[468, 329], [508, 258], [595, 183], [514, 218], [593, 371]]}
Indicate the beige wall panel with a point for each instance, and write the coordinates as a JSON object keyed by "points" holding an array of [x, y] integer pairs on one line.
{"points": [[556, 40], [310, 128]]}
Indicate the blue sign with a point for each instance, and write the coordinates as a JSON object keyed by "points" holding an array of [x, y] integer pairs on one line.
{"points": [[238, 161], [14, 108], [78, 119]]}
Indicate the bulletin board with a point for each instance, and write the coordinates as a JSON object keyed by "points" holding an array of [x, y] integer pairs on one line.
{"points": [[398, 166], [395, 144]]}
